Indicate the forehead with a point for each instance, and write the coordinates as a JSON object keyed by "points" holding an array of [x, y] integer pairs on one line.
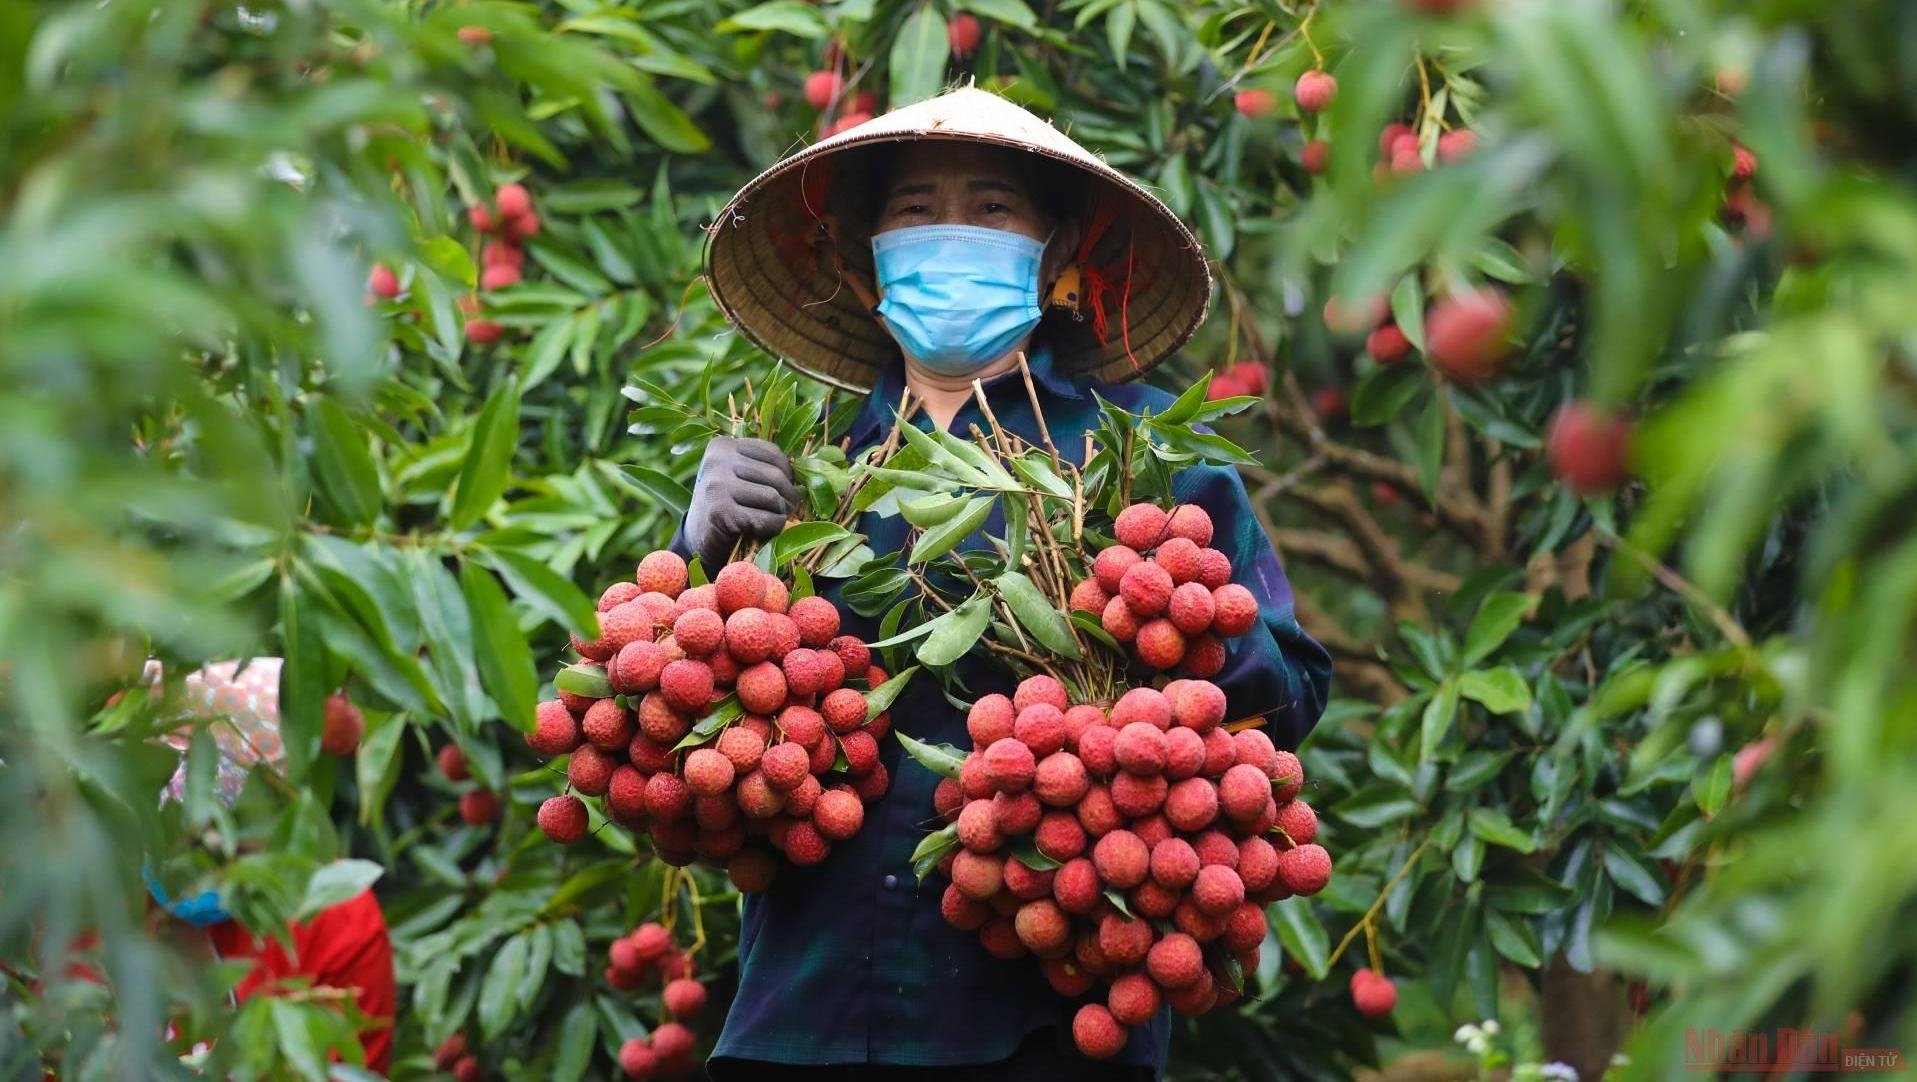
{"points": [[963, 161]]}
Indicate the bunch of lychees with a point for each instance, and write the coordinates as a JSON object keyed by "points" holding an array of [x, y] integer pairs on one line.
{"points": [[1163, 591]]}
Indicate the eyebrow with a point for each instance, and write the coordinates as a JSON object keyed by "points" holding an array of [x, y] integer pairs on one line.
{"points": [[986, 184]]}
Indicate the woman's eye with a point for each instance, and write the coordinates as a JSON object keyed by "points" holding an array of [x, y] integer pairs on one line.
{"points": [[997, 208]]}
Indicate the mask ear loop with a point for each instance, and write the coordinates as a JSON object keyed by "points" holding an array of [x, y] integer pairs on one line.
{"points": [[856, 282]]}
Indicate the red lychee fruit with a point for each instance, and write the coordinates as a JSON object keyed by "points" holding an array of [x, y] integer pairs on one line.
{"points": [[342, 726], [752, 870], [449, 1051], [785, 766], [962, 31], [1141, 526], [805, 846], [1061, 780], [1098, 813], [977, 875], [1098, 749], [821, 87], [589, 770], [1298, 821], [802, 725], [1373, 993], [483, 331], [1059, 836], [761, 688], [499, 276], [1589, 447], [1255, 103], [512, 200], [1234, 610], [1244, 791], [684, 998], [1457, 143], [452, 760], [817, 618], [1304, 870], [1315, 90], [1160, 644], [1467, 335], [1743, 163], [686, 686], [1181, 558], [1218, 890], [1199, 706], [563, 819], [843, 710], [673, 1042], [1146, 588], [1119, 621], [1257, 864], [838, 814], [1065, 977], [1122, 859], [853, 654], [1192, 804], [1017, 813], [708, 772], [523, 226], [991, 719], [1191, 608], [1010, 765], [626, 794], [962, 912], [1175, 961], [1387, 344], [778, 598], [1190, 521], [742, 747], [1040, 727], [1089, 596], [1000, 939], [1075, 885], [607, 726], [659, 722], [383, 282], [1749, 760], [1096, 1033], [748, 635], [804, 672], [1283, 766], [738, 585], [1110, 565], [468, 1069], [668, 797], [1184, 753], [1133, 999], [699, 631], [1214, 568], [636, 667], [1036, 690], [1196, 998], [1043, 927], [1140, 748], [947, 799], [1137, 795], [1174, 863], [1124, 940], [478, 807], [1328, 403], [618, 594], [500, 253], [1314, 156]]}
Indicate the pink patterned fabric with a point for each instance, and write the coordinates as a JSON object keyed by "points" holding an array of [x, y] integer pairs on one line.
{"points": [[242, 699]]}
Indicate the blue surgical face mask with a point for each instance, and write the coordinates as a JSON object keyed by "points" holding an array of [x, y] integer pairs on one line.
{"points": [[200, 910], [957, 297]]}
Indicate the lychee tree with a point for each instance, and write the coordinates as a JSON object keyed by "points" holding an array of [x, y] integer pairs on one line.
{"points": [[1570, 649]]}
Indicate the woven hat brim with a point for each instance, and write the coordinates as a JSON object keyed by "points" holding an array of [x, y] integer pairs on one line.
{"points": [[774, 271]]}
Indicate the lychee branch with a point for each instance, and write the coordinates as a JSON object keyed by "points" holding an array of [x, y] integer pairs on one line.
{"points": [[1364, 922]]}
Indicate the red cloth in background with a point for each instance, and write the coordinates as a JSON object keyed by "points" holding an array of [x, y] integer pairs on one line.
{"points": [[344, 947]]}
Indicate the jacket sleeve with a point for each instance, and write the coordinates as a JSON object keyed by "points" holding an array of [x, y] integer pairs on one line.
{"points": [[1275, 670]]}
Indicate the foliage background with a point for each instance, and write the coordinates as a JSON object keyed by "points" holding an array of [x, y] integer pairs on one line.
{"points": [[212, 445]]}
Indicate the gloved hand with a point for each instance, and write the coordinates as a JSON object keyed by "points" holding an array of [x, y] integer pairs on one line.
{"points": [[744, 490]]}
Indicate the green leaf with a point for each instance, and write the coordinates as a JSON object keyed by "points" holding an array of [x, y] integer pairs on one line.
{"points": [[303, 683], [800, 538], [954, 634], [932, 849], [1009, 12], [1385, 390], [336, 882], [1037, 615], [538, 963], [1712, 788], [1436, 723], [1475, 768], [1407, 310], [727, 712], [946, 536], [1375, 805], [545, 590], [577, 1033], [1120, 902], [1514, 938], [1186, 405], [929, 511], [582, 681], [1495, 827], [1025, 849], [1497, 618], [1629, 870], [1038, 473], [1430, 448], [880, 699], [941, 759], [672, 495], [918, 55], [498, 992], [449, 259], [343, 462], [1501, 690], [1303, 937], [504, 660], [489, 456], [784, 16], [1467, 857]]}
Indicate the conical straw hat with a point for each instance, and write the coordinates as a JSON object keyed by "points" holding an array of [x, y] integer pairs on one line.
{"points": [[781, 253]]}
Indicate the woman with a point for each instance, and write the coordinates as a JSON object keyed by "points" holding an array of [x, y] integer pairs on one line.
{"points": [[920, 252]]}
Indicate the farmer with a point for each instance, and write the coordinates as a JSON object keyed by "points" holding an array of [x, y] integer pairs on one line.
{"points": [[920, 252], [343, 948]]}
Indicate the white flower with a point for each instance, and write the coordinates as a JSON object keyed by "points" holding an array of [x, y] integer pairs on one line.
{"points": [[1466, 1034], [1490, 1027], [1560, 1072], [1619, 1059], [1477, 1045]]}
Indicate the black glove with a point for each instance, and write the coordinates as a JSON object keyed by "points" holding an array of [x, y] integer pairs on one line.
{"points": [[744, 490]]}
